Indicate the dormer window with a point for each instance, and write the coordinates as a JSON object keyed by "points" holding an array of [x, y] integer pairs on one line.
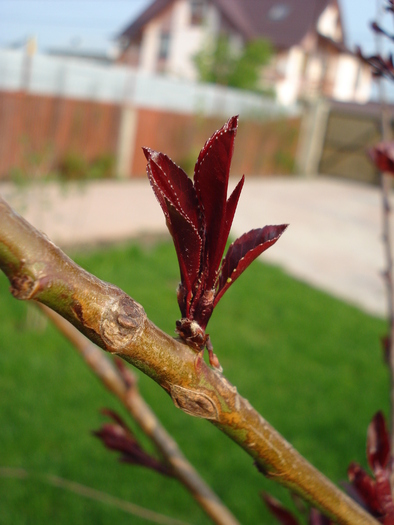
{"points": [[279, 12], [197, 12]]}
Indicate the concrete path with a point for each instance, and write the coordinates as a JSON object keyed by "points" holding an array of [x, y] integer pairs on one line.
{"points": [[333, 242]]}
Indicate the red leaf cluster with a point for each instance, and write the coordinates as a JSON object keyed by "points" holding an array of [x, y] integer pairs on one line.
{"points": [[380, 66], [118, 436], [285, 517], [382, 155], [375, 492], [199, 217]]}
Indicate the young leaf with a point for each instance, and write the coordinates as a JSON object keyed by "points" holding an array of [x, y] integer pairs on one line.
{"points": [[117, 436], [199, 217], [174, 185], [384, 495], [276, 508], [177, 197], [231, 206], [382, 155], [317, 518], [365, 487], [211, 182], [378, 442], [243, 252]]}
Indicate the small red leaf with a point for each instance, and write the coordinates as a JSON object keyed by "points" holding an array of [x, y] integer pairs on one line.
{"points": [[243, 252], [365, 487], [382, 155], [118, 437], [278, 510], [211, 182], [378, 442], [231, 206], [317, 518], [384, 496], [174, 185], [116, 417], [177, 197], [188, 246]]}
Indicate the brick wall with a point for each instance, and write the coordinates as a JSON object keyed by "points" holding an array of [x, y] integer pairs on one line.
{"points": [[37, 131], [261, 148], [40, 130]]}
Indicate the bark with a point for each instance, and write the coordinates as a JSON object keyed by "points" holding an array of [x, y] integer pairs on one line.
{"points": [[125, 388], [38, 270]]}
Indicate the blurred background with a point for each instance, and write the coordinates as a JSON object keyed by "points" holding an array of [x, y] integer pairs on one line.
{"points": [[84, 84]]}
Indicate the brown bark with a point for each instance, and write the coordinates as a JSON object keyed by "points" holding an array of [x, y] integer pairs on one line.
{"points": [[129, 395], [40, 271]]}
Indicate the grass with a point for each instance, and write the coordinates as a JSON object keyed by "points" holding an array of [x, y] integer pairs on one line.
{"points": [[309, 363]]}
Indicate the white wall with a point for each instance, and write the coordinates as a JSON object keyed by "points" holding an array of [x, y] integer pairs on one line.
{"points": [[353, 82], [186, 40], [150, 47], [327, 24], [287, 90]]}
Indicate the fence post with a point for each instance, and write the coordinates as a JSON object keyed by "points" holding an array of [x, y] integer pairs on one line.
{"points": [[126, 141], [312, 136]]}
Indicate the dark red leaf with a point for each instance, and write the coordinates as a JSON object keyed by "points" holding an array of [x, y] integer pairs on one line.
{"points": [[243, 252], [382, 156], [278, 510], [231, 206], [188, 245], [365, 487], [317, 518], [176, 195], [384, 496], [376, 27], [173, 184], [199, 217], [211, 182], [378, 442], [116, 417], [118, 437]]}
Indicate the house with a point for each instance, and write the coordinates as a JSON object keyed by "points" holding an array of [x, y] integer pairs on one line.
{"points": [[310, 58]]}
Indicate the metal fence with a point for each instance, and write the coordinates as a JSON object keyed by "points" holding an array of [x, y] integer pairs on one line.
{"points": [[82, 79]]}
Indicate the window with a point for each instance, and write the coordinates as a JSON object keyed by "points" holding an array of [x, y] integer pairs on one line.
{"points": [[197, 12], [164, 45], [279, 12]]}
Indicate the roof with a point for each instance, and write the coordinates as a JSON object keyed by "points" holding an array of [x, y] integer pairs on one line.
{"points": [[150, 12], [283, 22]]}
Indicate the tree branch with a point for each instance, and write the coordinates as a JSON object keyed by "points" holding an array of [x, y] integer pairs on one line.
{"points": [[93, 494], [145, 418], [38, 270]]}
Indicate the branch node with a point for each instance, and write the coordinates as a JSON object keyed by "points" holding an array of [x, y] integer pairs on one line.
{"points": [[194, 403], [23, 287], [122, 322]]}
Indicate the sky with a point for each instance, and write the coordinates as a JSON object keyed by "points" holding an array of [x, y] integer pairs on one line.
{"points": [[93, 24]]}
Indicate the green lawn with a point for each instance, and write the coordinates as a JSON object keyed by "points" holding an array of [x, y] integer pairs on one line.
{"points": [[309, 363]]}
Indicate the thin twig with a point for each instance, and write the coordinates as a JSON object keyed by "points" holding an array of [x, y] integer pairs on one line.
{"points": [[88, 492], [146, 419], [385, 185]]}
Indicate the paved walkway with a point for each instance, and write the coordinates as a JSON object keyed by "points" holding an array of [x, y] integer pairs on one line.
{"points": [[333, 241]]}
